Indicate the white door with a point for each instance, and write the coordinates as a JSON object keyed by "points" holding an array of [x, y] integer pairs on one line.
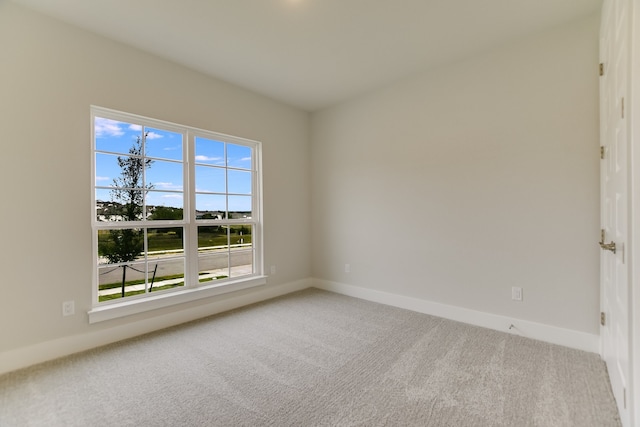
{"points": [[614, 198]]}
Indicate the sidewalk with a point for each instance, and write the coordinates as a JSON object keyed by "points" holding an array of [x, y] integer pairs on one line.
{"points": [[239, 270]]}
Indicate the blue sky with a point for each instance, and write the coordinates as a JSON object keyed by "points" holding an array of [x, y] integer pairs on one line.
{"points": [[166, 171]]}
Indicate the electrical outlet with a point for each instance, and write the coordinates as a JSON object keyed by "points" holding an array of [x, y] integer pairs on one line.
{"points": [[347, 268], [516, 293], [273, 269], [68, 308]]}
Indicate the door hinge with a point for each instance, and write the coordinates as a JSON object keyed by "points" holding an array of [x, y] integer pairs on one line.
{"points": [[602, 68], [603, 318], [602, 151]]}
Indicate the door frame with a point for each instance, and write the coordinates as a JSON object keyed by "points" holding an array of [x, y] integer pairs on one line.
{"points": [[634, 215]]}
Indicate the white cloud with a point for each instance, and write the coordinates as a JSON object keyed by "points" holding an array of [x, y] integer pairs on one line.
{"points": [[107, 127], [135, 127], [245, 159], [208, 159], [103, 178], [172, 196], [205, 190], [153, 135], [167, 186]]}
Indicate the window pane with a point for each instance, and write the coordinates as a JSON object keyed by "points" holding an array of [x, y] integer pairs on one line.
{"points": [[107, 169], [241, 252], [240, 235], [118, 171], [120, 245], [114, 210], [213, 253], [103, 195], [239, 207], [167, 199], [106, 210], [212, 238], [164, 205], [161, 175], [211, 206], [239, 182], [210, 179], [166, 274], [238, 156], [109, 277], [213, 267], [115, 136], [209, 152], [164, 242], [156, 211], [241, 263], [112, 278], [122, 174], [163, 144]]}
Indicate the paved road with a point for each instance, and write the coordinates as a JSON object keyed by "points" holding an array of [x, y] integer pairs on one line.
{"points": [[236, 271], [213, 265]]}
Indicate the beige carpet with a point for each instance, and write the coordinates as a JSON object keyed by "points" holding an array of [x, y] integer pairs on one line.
{"points": [[315, 358]]}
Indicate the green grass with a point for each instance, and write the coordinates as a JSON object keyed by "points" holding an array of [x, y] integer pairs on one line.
{"points": [[209, 279], [206, 239], [165, 241], [130, 293], [158, 279], [138, 282], [171, 238], [155, 288]]}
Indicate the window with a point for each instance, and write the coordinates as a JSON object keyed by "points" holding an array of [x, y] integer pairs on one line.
{"points": [[175, 210]]}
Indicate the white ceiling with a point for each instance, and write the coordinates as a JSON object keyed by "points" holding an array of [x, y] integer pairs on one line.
{"points": [[313, 53]]}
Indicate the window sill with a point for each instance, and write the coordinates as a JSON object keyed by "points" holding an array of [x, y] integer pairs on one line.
{"points": [[127, 308]]}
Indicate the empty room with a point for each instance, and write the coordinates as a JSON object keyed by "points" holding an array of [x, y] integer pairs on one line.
{"points": [[319, 213]]}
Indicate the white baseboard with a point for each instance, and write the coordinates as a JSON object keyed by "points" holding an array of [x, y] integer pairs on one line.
{"points": [[551, 334], [41, 352]]}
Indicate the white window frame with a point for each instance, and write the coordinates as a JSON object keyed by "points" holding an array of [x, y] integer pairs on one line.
{"points": [[192, 290]]}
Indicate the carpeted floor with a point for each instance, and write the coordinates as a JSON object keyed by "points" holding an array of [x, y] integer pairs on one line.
{"points": [[315, 358]]}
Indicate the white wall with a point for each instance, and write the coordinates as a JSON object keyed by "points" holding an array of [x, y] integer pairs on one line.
{"points": [[50, 73], [457, 184]]}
